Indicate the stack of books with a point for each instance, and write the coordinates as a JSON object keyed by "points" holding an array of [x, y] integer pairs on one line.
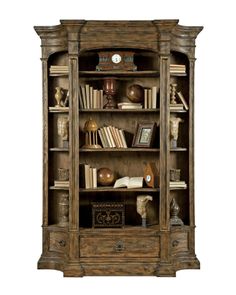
{"points": [[90, 98], [129, 105], [176, 107], [56, 70], [88, 176], [177, 69], [150, 98], [112, 137], [178, 184], [61, 183]]}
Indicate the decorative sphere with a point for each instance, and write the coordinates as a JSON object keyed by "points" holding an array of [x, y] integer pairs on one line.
{"points": [[105, 177], [135, 93]]}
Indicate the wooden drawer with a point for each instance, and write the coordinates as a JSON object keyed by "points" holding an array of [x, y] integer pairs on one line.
{"points": [[119, 247], [179, 242], [58, 242]]}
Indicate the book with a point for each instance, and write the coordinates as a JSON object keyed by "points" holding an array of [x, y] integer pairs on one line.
{"points": [[177, 106], [181, 97], [61, 183], [129, 105], [154, 97], [129, 182]]}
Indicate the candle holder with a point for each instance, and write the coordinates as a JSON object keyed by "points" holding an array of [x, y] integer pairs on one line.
{"points": [[173, 93], [91, 135], [109, 88]]}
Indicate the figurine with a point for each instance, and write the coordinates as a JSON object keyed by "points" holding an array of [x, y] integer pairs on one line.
{"points": [[141, 207], [63, 130], [174, 130], [174, 210]]}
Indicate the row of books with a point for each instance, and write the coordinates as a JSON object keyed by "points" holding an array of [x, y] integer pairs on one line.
{"points": [[88, 176], [150, 98], [55, 70], [112, 137], [178, 184], [90, 98], [177, 69]]}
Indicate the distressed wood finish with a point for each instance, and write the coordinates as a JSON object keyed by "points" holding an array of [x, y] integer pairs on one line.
{"points": [[78, 249]]}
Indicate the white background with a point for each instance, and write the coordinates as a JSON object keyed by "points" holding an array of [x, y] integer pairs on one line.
{"points": [[20, 144]]}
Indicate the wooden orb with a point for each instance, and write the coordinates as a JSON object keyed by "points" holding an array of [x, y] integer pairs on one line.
{"points": [[105, 177], [135, 93]]}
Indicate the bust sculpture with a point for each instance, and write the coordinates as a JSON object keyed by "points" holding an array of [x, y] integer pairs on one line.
{"points": [[63, 129], [174, 130], [141, 207]]}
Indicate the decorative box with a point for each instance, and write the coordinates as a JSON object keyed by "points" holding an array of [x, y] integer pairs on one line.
{"points": [[108, 214]]}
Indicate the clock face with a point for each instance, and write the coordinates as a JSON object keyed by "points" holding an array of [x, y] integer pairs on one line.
{"points": [[148, 178], [116, 58]]}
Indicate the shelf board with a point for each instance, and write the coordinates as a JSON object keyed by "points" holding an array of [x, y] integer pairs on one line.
{"points": [[179, 149], [120, 73], [119, 150], [177, 188], [62, 188], [59, 75], [119, 111], [178, 111], [178, 74], [123, 189], [58, 110], [59, 149]]}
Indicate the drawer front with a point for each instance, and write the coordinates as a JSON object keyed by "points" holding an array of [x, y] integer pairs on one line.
{"points": [[119, 247], [179, 242], [58, 242]]}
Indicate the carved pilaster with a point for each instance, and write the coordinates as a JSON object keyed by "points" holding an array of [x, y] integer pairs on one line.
{"points": [[164, 29], [191, 141], [45, 139]]}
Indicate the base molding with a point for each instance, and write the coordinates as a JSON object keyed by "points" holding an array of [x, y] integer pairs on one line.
{"points": [[80, 269]]}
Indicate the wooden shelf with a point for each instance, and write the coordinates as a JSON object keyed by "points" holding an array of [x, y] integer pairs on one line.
{"points": [[178, 111], [123, 189], [178, 74], [180, 149], [59, 75], [58, 110], [150, 150], [59, 188], [119, 111], [177, 188], [119, 73], [59, 150]]}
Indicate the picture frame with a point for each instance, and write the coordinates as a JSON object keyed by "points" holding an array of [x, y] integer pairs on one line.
{"points": [[144, 135]]}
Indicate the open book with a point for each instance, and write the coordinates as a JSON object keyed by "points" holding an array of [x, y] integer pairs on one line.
{"points": [[129, 182]]}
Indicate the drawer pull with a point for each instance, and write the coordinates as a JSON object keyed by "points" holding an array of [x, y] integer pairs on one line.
{"points": [[119, 246], [175, 243], [62, 243]]}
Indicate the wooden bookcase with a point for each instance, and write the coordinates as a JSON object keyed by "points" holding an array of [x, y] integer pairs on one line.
{"points": [[76, 247]]}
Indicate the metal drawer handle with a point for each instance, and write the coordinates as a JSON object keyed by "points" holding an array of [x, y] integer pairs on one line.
{"points": [[175, 243], [62, 243], [119, 246]]}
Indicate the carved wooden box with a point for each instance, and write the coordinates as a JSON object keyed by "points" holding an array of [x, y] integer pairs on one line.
{"points": [[108, 214]]}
